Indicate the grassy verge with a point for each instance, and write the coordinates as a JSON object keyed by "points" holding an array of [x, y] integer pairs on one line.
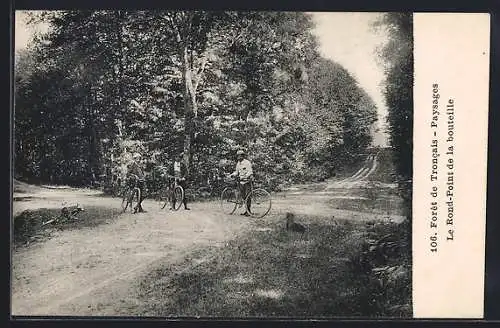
{"points": [[329, 271], [386, 206], [28, 226]]}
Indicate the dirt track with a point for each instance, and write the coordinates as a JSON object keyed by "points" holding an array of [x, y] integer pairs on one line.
{"points": [[94, 271]]}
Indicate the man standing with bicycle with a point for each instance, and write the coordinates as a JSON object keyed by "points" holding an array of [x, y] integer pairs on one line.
{"points": [[135, 171], [180, 173], [244, 173]]}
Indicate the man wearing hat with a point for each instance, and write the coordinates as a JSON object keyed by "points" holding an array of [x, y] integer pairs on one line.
{"points": [[244, 173], [135, 170]]}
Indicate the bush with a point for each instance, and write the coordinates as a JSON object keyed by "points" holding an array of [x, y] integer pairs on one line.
{"points": [[384, 267], [310, 174]]}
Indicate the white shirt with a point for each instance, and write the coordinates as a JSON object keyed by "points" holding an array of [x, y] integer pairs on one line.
{"points": [[243, 169], [177, 169]]}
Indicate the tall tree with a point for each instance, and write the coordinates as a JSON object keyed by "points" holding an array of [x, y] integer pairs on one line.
{"points": [[162, 81], [397, 56], [184, 36]]}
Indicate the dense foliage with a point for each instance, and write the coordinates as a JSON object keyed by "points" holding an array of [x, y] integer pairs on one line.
{"points": [[397, 55], [100, 85]]}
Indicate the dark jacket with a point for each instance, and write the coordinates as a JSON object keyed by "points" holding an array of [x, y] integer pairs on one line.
{"points": [[135, 168]]}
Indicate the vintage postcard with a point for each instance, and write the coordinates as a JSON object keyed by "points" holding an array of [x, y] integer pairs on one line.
{"points": [[249, 164]]}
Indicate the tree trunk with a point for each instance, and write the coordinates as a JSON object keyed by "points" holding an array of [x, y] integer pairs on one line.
{"points": [[190, 107], [92, 156], [118, 79], [253, 104], [99, 156], [119, 76]]}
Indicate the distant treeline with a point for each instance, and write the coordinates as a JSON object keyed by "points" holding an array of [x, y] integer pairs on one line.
{"points": [[100, 85]]}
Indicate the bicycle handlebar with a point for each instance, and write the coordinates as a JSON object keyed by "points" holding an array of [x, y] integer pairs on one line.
{"points": [[233, 179]]}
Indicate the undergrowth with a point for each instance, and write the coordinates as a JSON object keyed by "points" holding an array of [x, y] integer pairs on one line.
{"points": [[34, 225], [335, 269], [383, 265]]}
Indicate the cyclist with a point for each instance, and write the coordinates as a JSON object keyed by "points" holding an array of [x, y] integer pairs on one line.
{"points": [[135, 171], [179, 169], [244, 173]]}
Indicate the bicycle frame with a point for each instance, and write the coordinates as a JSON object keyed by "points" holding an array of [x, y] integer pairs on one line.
{"points": [[174, 183], [135, 185], [171, 186], [237, 187], [130, 190], [232, 194]]}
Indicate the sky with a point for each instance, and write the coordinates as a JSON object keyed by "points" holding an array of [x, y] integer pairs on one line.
{"points": [[22, 32], [346, 38]]}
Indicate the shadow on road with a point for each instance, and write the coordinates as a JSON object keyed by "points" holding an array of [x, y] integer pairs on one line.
{"points": [[270, 273]]}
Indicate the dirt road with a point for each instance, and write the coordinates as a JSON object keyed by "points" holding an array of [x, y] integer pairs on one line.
{"points": [[94, 270]]}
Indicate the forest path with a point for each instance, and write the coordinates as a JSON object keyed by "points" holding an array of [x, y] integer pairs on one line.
{"points": [[93, 270]]}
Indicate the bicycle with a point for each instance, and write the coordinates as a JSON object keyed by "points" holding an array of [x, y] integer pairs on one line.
{"points": [[174, 191], [131, 196], [260, 200]]}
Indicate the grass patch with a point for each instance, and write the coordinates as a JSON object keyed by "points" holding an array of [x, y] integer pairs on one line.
{"points": [[23, 187], [28, 226], [276, 273]]}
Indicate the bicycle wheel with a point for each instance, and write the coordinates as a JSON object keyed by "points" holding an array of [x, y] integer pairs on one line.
{"points": [[177, 197], [126, 201], [134, 199], [228, 200], [164, 198], [260, 203]]}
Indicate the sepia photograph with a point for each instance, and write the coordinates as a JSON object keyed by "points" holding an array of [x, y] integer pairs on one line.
{"points": [[212, 164]]}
